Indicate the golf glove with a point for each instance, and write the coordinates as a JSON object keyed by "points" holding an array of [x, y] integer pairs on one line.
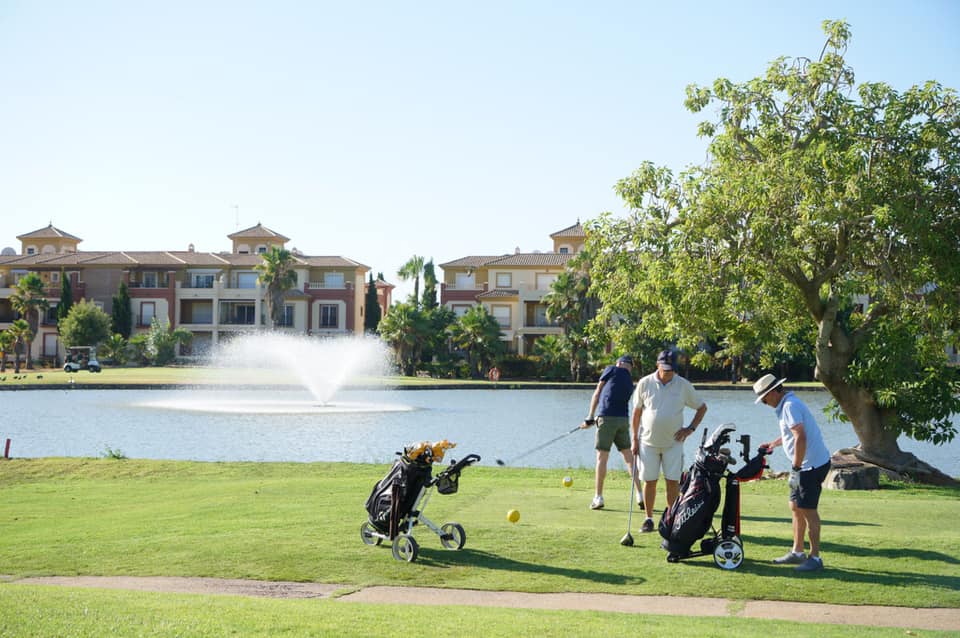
{"points": [[794, 480]]}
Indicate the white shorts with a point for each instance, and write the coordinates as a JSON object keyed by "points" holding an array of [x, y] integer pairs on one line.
{"points": [[669, 459]]}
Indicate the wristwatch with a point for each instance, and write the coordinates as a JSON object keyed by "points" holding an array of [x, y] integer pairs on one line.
{"points": [[796, 468]]}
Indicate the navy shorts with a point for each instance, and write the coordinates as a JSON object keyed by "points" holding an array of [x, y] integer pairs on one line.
{"points": [[807, 496]]}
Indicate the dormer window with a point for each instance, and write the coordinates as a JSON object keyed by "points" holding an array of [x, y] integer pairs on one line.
{"points": [[243, 249], [261, 249], [31, 250]]}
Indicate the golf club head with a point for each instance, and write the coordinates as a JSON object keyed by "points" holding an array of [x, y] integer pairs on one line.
{"points": [[500, 462], [627, 540]]}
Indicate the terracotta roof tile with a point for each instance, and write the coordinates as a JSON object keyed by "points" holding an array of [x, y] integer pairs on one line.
{"points": [[257, 232], [499, 293], [571, 231], [472, 261], [49, 232], [532, 259]]}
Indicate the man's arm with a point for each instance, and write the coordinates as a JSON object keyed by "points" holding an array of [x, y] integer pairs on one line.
{"points": [[683, 433], [635, 427], [594, 400], [800, 445]]}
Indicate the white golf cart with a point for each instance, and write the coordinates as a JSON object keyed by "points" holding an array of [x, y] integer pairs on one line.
{"points": [[81, 358]]}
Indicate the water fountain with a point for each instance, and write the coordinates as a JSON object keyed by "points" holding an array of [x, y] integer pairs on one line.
{"points": [[266, 366]]}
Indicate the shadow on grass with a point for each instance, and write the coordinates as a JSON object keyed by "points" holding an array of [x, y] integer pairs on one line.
{"points": [[891, 553], [787, 521], [486, 560]]}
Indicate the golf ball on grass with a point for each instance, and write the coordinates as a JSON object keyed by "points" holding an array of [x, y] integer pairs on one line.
{"points": [[513, 516], [567, 481]]}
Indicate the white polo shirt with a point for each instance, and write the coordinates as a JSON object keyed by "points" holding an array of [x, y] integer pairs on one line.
{"points": [[663, 407]]}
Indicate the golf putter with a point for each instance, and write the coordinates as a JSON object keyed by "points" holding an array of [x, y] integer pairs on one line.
{"points": [[627, 540]]}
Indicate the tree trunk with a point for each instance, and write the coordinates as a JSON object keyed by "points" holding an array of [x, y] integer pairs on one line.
{"points": [[878, 440]]}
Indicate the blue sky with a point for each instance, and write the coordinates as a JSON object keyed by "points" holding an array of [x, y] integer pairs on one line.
{"points": [[380, 130]]}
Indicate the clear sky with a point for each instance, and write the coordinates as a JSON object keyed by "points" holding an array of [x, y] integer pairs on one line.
{"points": [[379, 130]]}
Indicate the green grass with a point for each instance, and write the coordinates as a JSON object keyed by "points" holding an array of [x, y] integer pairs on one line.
{"points": [[207, 376], [48, 611], [300, 522]]}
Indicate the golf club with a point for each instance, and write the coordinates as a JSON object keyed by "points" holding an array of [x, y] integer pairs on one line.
{"points": [[627, 540], [538, 448]]}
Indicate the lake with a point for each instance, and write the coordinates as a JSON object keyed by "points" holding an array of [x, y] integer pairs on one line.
{"points": [[362, 426]]}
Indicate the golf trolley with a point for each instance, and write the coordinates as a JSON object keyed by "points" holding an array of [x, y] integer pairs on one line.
{"points": [[691, 515], [396, 504]]}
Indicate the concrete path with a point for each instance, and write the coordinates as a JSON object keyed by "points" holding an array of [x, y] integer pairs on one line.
{"points": [[868, 615]]}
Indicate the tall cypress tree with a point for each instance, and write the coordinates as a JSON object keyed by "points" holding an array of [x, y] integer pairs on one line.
{"points": [[429, 301], [371, 312], [120, 309], [66, 297]]}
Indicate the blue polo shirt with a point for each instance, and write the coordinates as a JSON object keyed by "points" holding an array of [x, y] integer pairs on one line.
{"points": [[616, 391]]}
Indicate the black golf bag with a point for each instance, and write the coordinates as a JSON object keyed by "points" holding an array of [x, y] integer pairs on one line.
{"points": [[691, 516], [396, 504], [394, 495]]}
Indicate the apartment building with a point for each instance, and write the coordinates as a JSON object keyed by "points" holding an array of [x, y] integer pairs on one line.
{"points": [[511, 287], [213, 295]]}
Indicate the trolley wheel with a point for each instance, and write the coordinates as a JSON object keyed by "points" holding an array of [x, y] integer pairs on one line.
{"points": [[453, 536], [728, 554], [405, 548], [368, 534]]}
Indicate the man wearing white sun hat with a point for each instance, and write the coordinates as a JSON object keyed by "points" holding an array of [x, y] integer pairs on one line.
{"points": [[809, 461]]}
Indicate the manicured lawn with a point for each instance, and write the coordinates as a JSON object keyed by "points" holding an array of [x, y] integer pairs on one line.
{"points": [[300, 522]]}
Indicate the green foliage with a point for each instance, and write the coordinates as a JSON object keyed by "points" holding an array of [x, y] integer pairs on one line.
{"points": [[477, 334], [66, 297], [122, 311], [22, 336], [115, 349], [86, 325], [411, 270], [553, 357], [160, 343], [572, 306], [112, 454], [815, 194], [371, 308], [405, 329], [29, 299], [7, 342], [429, 301], [277, 274]]}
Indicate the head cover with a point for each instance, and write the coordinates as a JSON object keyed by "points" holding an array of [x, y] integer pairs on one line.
{"points": [[665, 360], [765, 384], [627, 359]]}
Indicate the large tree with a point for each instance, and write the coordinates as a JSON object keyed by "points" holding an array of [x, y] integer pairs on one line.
{"points": [[405, 329], [371, 308], [478, 334], [122, 312], [20, 330], [412, 270], [66, 297], [31, 302], [86, 325], [277, 274], [429, 285], [571, 305], [822, 208]]}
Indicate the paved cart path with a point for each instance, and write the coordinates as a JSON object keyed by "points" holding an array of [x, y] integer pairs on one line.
{"points": [[869, 615]]}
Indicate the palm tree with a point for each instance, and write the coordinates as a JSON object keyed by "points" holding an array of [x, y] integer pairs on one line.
{"points": [[6, 345], [406, 329], [20, 330], [30, 301], [276, 272], [114, 349], [478, 334], [552, 353], [569, 304], [412, 270]]}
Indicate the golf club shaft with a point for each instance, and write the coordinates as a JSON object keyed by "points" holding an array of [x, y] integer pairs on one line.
{"points": [[541, 446]]}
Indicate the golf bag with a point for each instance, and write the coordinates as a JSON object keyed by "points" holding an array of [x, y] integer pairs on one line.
{"points": [[396, 503], [690, 518], [394, 495]]}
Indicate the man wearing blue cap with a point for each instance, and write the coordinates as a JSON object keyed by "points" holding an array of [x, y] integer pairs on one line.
{"points": [[609, 412]]}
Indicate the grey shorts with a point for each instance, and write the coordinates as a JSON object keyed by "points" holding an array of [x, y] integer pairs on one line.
{"points": [[807, 496], [613, 430]]}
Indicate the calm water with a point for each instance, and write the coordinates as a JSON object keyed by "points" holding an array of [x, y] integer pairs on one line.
{"points": [[366, 426]]}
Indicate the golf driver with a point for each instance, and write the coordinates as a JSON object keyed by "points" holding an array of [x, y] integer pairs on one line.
{"points": [[627, 540], [538, 448]]}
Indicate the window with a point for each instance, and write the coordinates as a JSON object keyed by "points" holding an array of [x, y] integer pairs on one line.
{"points": [[461, 309], [243, 249], [55, 277], [246, 280], [201, 280], [564, 250], [149, 280], [329, 316], [504, 280], [261, 249], [50, 317], [465, 281], [502, 315], [31, 250], [287, 320], [333, 280], [148, 310], [544, 281]]}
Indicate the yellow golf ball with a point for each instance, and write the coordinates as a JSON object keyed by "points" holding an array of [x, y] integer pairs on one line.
{"points": [[567, 481], [513, 516]]}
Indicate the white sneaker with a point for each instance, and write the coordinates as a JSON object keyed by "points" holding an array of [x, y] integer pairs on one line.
{"points": [[597, 503]]}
